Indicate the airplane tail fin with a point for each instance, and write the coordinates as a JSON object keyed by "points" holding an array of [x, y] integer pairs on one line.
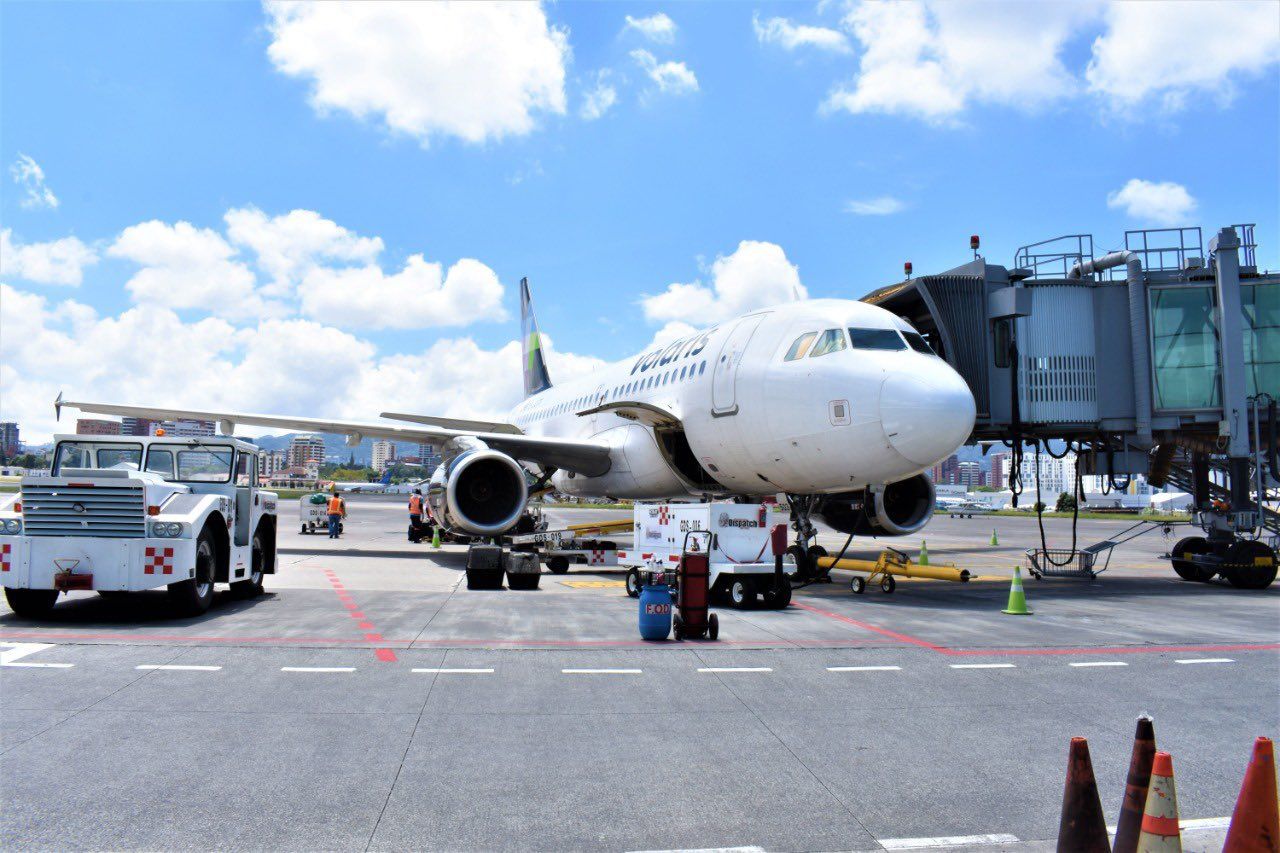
{"points": [[536, 379], [386, 477]]}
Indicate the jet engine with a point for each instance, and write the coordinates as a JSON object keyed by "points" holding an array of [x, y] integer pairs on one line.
{"points": [[900, 508], [480, 492]]}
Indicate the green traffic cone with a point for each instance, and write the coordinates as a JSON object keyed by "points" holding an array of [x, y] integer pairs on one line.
{"points": [[995, 540], [1017, 598], [435, 537], [923, 559]]}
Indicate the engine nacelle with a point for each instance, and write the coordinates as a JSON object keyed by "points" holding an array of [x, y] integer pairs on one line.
{"points": [[480, 492], [899, 509]]}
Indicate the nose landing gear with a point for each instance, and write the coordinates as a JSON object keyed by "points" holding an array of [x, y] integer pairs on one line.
{"points": [[805, 552]]}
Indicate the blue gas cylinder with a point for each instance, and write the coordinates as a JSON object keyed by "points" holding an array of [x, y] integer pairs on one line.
{"points": [[655, 611]]}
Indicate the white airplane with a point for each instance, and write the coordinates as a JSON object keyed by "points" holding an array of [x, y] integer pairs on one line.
{"points": [[839, 404]]}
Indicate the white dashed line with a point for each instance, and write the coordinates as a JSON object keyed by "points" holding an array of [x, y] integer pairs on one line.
{"points": [[1099, 663], [1205, 660], [945, 841], [455, 671], [601, 671], [735, 669], [863, 668], [20, 650], [41, 665], [317, 669], [983, 666], [179, 667]]}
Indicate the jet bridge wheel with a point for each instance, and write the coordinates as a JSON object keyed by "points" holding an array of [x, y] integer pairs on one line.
{"points": [[1186, 569], [1250, 564]]}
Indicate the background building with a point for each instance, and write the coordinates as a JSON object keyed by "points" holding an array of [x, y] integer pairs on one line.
{"points": [[306, 451], [137, 426], [384, 453], [92, 426], [10, 443], [183, 427]]}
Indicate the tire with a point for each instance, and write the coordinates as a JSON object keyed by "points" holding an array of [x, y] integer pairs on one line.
{"points": [[888, 584], [193, 596], [633, 582], [251, 587], [31, 603], [814, 553], [1186, 569], [560, 566], [713, 627], [113, 594], [677, 627], [304, 530], [858, 585], [742, 593], [804, 568], [778, 598], [1252, 565]]}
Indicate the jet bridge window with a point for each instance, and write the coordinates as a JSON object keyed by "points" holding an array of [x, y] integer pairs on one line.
{"points": [[878, 339], [801, 346], [832, 340]]}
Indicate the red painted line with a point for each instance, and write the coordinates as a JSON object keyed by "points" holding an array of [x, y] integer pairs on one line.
{"points": [[356, 614], [385, 655], [373, 638], [365, 626], [1100, 650]]}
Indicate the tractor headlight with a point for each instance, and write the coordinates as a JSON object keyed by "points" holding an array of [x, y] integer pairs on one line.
{"points": [[12, 526], [166, 529]]}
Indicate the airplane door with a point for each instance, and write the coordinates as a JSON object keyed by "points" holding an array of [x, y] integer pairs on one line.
{"points": [[724, 399]]}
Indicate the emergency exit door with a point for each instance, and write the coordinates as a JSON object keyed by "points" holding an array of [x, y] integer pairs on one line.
{"points": [[724, 397]]}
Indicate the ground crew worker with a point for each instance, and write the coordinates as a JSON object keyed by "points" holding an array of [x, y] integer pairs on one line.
{"points": [[415, 516], [337, 512]]}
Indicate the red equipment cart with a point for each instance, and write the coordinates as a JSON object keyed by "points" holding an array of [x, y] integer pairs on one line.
{"points": [[693, 618]]}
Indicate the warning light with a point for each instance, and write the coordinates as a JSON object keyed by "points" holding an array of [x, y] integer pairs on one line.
{"points": [[973, 242], [160, 431], [906, 268]]}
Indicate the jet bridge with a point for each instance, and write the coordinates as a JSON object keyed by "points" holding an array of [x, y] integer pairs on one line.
{"points": [[1161, 359]]}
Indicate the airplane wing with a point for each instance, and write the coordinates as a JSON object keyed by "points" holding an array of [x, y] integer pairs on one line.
{"points": [[588, 458], [454, 423]]}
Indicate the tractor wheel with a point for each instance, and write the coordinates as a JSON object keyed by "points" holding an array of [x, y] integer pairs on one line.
{"points": [[1252, 564], [1186, 569], [193, 596], [251, 587], [31, 603]]}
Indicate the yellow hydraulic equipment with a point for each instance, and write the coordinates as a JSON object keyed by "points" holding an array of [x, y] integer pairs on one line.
{"points": [[616, 526], [891, 562]]}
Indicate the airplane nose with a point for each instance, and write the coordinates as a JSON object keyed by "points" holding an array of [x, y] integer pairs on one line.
{"points": [[926, 419]]}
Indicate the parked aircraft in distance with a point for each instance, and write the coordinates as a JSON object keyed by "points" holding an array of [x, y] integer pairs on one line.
{"points": [[839, 404]]}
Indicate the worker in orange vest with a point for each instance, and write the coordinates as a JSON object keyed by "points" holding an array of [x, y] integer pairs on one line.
{"points": [[415, 516], [337, 512]]}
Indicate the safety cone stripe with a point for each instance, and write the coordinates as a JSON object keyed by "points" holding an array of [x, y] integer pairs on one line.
{"points": [[1160, 825]]}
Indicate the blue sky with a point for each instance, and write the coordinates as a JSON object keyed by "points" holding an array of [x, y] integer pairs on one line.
{"points": [[1016, 122]]}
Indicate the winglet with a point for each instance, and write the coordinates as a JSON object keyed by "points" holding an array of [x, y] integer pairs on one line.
{"points": [[536, 378], [57, 407]]}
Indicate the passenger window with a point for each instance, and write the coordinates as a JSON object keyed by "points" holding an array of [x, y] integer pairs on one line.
{"points": [[832, 340], [880, 339], [801, 346], [918, 343]]}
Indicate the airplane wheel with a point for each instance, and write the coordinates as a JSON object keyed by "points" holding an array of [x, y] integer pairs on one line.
{"points": [[814, 553], [1253, 565], [888, 584], [633, 583], [804, 568], [1186, 569]]}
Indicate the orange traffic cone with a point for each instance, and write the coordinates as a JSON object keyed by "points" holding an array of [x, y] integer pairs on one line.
{"points": [[1255, 824], [1160, 833], [1135, 789], [1082, 828]]}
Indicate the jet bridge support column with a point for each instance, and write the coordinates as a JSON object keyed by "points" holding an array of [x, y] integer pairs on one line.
{"points": [[1225, 248]]}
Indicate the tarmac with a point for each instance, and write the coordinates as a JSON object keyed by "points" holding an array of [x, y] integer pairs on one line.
{"points": [[369, 701]]}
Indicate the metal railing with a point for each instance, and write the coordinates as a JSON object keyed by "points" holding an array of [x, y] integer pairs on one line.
{"points": [[1054, 257]]}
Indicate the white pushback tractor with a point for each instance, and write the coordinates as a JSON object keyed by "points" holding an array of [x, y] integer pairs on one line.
{"points": [[122, 514]]}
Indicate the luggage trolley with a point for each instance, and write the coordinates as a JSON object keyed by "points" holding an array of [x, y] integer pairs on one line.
{"points": [[693, 619]]}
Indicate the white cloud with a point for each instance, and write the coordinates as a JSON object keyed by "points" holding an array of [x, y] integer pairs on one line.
{"points": [[185, 267], [418, 296], [600, 98], [474, 70], [931, 60], [1174, 49], [1160, 203], [674, 78], [789, 36], [59, 261], [756, 275], [289, 246], [28, 175], [657, 27], [880, 206]]}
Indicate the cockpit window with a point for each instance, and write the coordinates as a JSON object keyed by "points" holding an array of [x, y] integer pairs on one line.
{"points": [[881, 339], [832, 340], [917, 343], [801, 346]]}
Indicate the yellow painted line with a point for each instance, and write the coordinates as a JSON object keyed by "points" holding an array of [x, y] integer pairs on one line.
{"points": [[594, 584]]}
